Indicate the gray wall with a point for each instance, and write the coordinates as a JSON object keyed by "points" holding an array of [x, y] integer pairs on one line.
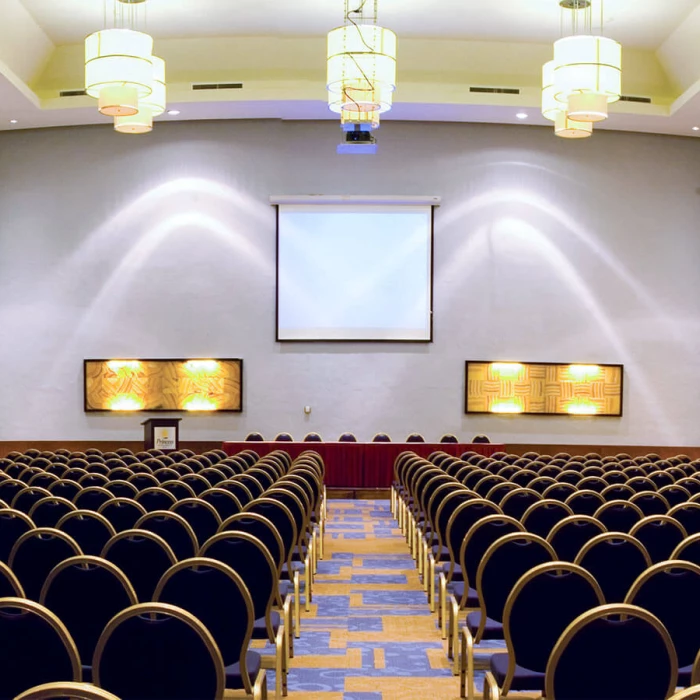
{"points": [[164, 246]]}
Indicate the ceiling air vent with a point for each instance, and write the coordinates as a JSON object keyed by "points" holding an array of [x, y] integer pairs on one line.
{"points": [[217, 86], [496, 90], [72, 93], [631, 98]]}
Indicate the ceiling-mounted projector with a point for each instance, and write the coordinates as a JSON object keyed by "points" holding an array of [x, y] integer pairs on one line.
{"points": [[357, 139]]}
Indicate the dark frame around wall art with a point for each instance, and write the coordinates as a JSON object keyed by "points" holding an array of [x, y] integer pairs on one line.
{"points": [[496, 388], [184, 385]]}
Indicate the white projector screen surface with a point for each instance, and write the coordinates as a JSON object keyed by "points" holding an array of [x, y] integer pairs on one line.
{"points": [[354, 272]]}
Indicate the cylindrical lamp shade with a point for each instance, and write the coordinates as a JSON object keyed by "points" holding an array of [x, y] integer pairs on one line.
{"points": [[157, 100], [588, 64], [119, 101], [587, 107], [141, 123], [551, 107], [118, 58], [568, 129], [361, 68], [371, 118]]}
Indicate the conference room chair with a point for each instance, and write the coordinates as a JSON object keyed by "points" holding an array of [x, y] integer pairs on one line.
{"points": [[29, 473], [196, 482], [539, 608], [688, 549], [486, 483], [542, 516], [523, 478], [46, 512], [27, 497], [92, 498], [660, 535], [220, 596], [9, 583], [463, 593], [616, 559], [503, 563], [86, 592], [688, 515], [224, 502], [89, 529], [143, 556], [499, 492], [161, 652], [449, 438], [35, 553], [213, 475], [36, 647], [570, 534], [541, 484], [201, 515], [264, 474], [347, 437], [675, 494], [690, 483], [122, 513], [516, 502], [120, 488], [238, 489], [415, 437], [617, 492], [251, 482], [600, 655], [42, 479], [13, 524], [619, 516], [669, 590], [143, 480], [178, 489], [174, 529], [155, 498], [254, 437], [650, 502], [283, 437], [381, 437], [559, 491], [483, 439], [585, 502], [63, 689], [165, 474]]}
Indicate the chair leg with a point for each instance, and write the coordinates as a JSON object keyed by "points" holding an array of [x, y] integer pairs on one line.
{"points": [[260, 687], [442, 600], [280, 664], [454, 634], [297, 606], [431, 582], [466, 673], [491, 690], [307, 584], [288, 627]]}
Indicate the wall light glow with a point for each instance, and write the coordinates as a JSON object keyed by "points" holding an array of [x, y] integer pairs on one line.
{"points": [[507, 369], [199, 403], [584, 372], [126, 402], [117, 366], [582, 408], [204, 366], [506, 407]]}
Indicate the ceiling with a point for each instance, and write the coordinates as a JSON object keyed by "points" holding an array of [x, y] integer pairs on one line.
{"points": [[276, 48]]}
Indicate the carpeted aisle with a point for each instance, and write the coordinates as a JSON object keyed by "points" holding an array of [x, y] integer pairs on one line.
{"points": [[370, 634]]}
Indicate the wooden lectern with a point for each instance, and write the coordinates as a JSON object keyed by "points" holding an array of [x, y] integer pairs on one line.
{"points": [[161, 434]]}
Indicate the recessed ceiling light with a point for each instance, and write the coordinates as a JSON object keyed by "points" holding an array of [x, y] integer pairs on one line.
{"points": [[173, 112], [13, 121], [696, 128], [521, 115]]}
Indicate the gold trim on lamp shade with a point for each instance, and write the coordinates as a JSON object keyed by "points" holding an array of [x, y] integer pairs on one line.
{"points": [[118, 57], [157, 100], [361, 75], [551, 107], [140, 123], [568, 129], [588, 64], [587, 107], [118, 101]]}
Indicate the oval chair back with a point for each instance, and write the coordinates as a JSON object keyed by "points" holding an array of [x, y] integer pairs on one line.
{"points": [[174, 529], [542, 516], [92, 498], [660, 535], [86, 592], [283, 520], [161, 652], [688, 515], [542, 604], [670, 590], [260, 527], [10, 587], [516, 502], [66, 689], [155, 498], [312, 437], [143, 556], [224, 502], [347, 437], [601, 653], [89, 529], [217, 596], [615, 559], [36, 647], [13, 524], [34, 555], [201, 516], [585, 502], [381, 437], [570, 534], [46, 512], [619, 516], [122, 513]]}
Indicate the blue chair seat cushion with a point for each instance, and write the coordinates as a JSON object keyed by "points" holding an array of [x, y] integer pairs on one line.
{"points": [[286, 588], [87, 673], [296, 566], [492, 630], [457, 589], [523, 679], [260, 628], [684, 675], [234, 679]]}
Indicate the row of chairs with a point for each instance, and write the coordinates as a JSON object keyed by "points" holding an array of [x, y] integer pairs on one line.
{"points": [[495, 561], [176, 534]]}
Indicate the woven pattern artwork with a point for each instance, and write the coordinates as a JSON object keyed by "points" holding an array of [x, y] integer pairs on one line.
{"points": [[163, 385], [544, 388]]}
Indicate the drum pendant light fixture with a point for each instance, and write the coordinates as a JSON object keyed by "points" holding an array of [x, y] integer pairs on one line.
{"points": [[361, 63]]}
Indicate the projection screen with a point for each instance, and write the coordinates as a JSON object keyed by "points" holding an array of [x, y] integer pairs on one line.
{"points": [[354, 272]]}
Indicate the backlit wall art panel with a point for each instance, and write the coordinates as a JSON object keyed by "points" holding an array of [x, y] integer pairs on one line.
{"points": [[163, 385], [544, 388]]}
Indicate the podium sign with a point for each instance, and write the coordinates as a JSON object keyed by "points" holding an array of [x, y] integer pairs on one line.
{"points": [[161, 433]]}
